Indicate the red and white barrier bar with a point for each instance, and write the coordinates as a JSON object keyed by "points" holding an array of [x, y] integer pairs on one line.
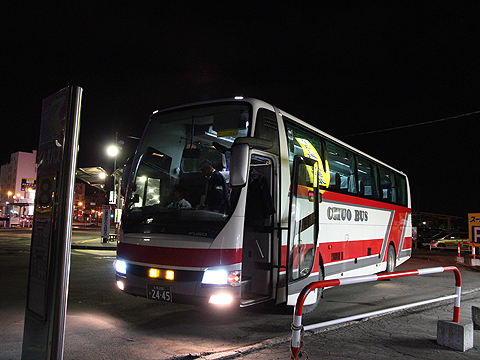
{"points": [[297, 327]]}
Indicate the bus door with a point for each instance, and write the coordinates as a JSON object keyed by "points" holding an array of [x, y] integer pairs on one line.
{"points": [[257, 244], [302, 227]]}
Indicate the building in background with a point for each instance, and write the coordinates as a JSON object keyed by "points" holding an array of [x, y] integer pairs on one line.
{"points": [[18, 185]]}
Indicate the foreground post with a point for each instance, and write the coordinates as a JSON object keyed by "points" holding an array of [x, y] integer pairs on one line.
{"points": [[49, 271]]}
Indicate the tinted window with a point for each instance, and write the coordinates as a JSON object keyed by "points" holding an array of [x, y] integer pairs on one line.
{"points": [[342, 168], [387, 185], [367, 178], [303, 143], [402, 190]]}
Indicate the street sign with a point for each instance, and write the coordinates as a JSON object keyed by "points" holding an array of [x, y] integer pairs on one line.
{"points": [[474, 228], [28, 184], [106, 223], [48, 277]]}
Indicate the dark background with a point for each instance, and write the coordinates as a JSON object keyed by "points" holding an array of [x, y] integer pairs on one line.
{"points": [[348, 68]]}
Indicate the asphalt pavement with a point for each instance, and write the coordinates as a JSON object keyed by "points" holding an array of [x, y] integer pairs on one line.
{"points": [[407, 334]]}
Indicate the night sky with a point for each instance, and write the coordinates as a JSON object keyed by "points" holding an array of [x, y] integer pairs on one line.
{"points": [[348, 68]]}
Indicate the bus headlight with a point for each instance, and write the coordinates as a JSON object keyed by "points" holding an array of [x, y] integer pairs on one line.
{"points": [[121, 267], [221, 277], [215, 277]]}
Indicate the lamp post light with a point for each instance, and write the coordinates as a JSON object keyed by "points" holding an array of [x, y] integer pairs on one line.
{"points": [[10, 207], [113, 152]]}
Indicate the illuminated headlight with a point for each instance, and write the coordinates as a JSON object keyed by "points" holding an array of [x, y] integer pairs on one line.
{"points": [[221, 277], [121, 285], [221, 299], [215, 277], [121, 267]]}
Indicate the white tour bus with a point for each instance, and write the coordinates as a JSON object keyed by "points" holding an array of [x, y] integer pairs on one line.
{"points": [[236, 201]]}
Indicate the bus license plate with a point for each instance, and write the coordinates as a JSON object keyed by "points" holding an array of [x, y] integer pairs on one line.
{"points": [[161, 293]]}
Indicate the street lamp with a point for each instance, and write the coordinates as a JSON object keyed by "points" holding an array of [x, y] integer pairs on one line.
{"points": [[113, 151]]}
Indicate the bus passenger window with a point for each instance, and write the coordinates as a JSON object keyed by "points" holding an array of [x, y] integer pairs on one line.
{"points": [[388, 185], [302, 143], [402, 190], [342, 169], [367, 178]]}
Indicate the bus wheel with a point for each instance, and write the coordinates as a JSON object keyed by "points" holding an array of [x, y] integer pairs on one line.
{"points": [[309, 308], [391, 259]]}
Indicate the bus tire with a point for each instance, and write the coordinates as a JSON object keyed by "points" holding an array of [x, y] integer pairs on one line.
{"points": [[309, 308], [391, 259]]}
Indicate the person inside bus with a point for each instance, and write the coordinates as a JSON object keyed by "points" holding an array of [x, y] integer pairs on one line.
{"points": [[217, 194], [179, 201]]}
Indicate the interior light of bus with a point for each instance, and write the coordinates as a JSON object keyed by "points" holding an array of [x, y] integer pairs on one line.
{"points": [[170, 275], [234, 278], [221, 299], [238, 97], [153, 273], [121, 285], [215, 277], [120, 266]]}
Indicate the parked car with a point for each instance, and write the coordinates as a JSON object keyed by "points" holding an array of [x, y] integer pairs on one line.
{"points": [[425, 236], [431, 236], [451, 241]]}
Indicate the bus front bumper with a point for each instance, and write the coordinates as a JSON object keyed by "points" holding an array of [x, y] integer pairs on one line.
{"points": [[186, 287]]}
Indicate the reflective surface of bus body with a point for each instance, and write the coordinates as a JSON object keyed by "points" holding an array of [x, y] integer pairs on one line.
{"points": [[236, 201]]}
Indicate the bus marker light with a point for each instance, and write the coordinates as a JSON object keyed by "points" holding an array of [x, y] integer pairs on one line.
{"points": [[170, 275], [120, 285], [234, 278], [221, 299], [154, 273]]}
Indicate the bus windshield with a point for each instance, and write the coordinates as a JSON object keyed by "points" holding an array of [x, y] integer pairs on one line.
{"points": [[181, 172]]}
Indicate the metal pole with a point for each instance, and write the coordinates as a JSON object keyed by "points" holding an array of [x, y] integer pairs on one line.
{"points": [[297, 328]]}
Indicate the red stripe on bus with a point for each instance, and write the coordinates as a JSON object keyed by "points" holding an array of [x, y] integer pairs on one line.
{"points": [[166, 256]]}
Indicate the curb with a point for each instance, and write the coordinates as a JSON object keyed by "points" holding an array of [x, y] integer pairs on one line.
{"points": [[92, 247]]}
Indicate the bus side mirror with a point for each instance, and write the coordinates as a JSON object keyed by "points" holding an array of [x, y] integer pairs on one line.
{"points": [[239, 164]]}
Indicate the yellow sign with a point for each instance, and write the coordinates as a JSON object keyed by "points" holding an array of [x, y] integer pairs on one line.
{"points": [[474, 229], [310, 152]]}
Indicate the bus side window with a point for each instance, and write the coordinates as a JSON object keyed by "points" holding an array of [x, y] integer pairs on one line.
{"points": [[342, 169], [367, 178], [401, 190], [388, 185]]}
